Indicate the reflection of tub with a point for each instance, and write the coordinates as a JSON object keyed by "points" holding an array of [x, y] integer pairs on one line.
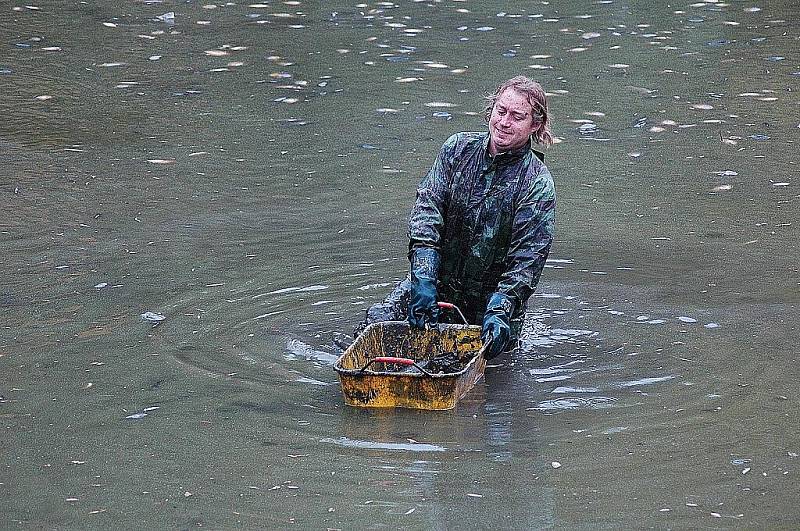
{"points": [[381, 385]]}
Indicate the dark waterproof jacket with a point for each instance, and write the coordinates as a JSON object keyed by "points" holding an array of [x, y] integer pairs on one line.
{"points": [[491, 218]]}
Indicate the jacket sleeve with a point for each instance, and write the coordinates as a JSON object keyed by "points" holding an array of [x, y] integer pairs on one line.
{"points": [[531, 238], [427, 216]]}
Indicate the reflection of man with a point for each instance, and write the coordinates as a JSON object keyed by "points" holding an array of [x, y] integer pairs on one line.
{"points": [[482, 225]]}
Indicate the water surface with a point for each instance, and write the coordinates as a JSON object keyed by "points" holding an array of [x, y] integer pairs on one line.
{"points": [[197, 206]]}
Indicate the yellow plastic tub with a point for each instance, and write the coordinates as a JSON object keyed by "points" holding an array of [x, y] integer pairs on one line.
{"points": [[387, 366]]}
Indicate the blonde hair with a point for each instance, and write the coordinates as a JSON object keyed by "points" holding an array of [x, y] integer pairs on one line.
{"points": [[534, 92]]}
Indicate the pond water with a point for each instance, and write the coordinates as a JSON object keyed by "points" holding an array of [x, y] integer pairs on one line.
{"points": [[200, 199]]}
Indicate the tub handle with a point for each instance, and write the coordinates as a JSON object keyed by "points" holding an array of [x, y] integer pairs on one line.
{"points": [[451, 306], [399, 361]]}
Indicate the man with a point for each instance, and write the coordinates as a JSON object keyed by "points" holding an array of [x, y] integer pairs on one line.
{"points": [[482, 225]]}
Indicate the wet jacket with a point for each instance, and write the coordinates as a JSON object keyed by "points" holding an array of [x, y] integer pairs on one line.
{"points": [[491, 218]]}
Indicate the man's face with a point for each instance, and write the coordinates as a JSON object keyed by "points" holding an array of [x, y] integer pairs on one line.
{"points": [[511, 122]]}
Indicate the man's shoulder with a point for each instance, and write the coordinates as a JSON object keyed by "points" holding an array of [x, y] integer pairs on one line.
{"points": [[465, 140], [538, 176], [472, 136], [534, 164]]}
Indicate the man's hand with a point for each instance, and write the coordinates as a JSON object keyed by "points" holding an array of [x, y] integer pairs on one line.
{"points": [[497, 325], [422, 308]]}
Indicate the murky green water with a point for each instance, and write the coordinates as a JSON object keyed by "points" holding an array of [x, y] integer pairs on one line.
{"points": [[245, 172]]}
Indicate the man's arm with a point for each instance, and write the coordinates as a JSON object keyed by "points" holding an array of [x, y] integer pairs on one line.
{"points": [[424, 237], [427, 216], [531, 238]]}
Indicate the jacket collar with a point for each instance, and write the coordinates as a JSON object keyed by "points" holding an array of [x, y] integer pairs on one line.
{"points": [[514, 155]]}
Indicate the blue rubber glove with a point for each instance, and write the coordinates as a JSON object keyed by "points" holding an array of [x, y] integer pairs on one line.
{"points": [[497, 325], [422, 308]]}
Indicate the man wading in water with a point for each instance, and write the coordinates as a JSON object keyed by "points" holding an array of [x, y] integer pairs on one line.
{"points": [[482, 225]]}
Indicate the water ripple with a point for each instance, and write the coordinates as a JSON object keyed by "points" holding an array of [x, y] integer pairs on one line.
{"points": [[374, 445]]}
